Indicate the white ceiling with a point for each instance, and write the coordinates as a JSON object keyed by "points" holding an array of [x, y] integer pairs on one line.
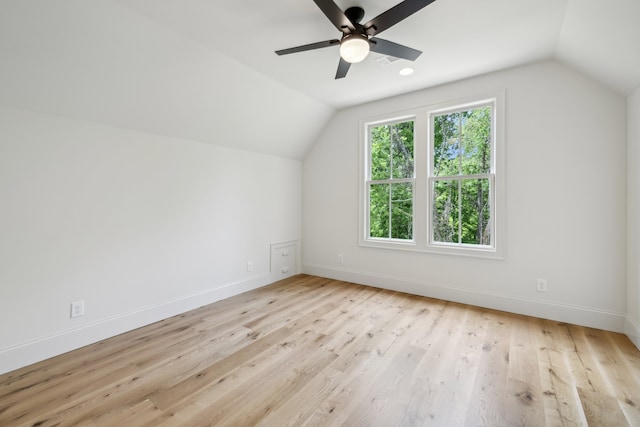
{"points": [[459, 38], [206, 70]]}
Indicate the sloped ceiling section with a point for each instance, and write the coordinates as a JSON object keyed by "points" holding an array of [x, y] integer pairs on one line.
{"points": [[602, 39], [99, 61]]}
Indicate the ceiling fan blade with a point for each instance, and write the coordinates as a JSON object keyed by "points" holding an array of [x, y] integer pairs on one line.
{"points": [[396, 50], [394, 15], [335, 15], [343, 68], [311, 46]]}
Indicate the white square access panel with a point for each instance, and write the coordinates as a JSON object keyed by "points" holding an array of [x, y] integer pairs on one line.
{"points": [[284, 258]]}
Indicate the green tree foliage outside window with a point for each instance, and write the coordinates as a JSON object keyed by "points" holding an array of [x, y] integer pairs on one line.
{"points": [[461, 211], [391, 181]]}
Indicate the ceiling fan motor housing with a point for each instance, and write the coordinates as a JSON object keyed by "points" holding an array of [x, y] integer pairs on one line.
{"points": [[355, 14]]}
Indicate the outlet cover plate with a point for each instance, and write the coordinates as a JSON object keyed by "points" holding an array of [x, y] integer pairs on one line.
{"points": [[541, 285], [77, 309]]}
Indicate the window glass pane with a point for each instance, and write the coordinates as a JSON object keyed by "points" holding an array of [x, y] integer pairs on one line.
{"points": [[380, 153], [392, 151], [446, 140], [445, 211], [475, 150], [379, 210], [402, 149], [462, 142], [402, 211], [476, 212]]}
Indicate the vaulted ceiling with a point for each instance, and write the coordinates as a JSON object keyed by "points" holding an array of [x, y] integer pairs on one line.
{"points": [[205, 70]]}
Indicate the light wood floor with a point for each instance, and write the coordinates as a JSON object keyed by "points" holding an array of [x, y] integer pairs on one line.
{"points": [[319, 352]]}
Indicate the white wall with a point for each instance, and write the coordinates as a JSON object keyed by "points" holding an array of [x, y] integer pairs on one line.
{"points": [[632, 328], [138, 226], [566, 198]]}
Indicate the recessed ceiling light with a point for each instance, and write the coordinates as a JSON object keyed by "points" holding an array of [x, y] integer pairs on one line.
{"points": [[406, 71]]}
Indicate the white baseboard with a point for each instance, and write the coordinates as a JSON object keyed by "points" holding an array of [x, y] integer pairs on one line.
{"points": [[632, 330], [583, 316], [27, 353]]}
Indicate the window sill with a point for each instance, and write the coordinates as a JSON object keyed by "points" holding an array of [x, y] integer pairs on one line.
{"points": [[461, 250]]}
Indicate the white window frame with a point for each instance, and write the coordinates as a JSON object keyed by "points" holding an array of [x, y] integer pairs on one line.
{"points": [[423, 181], [369, 182]]}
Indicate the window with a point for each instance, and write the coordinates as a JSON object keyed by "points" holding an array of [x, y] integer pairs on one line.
{"points": [[390, 181], [432, 179], [461, 176]]}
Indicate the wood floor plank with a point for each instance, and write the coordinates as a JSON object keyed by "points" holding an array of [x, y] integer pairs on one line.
{"points": [[601, 409], [436, 402], [490, 386], [361, 361], [272, 391], [310, 351], [561, 400], [307, 402], [616, 373], [524, 391], [261, 382], [388, 398], [216, 372], [120, 394], [586, 371], [145, 413]]}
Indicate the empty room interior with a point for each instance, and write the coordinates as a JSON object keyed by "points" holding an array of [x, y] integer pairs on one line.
{"points": [[217, 213]]}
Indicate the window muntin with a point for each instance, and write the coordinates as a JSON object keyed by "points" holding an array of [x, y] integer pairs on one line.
{"points": [[391, 180]]}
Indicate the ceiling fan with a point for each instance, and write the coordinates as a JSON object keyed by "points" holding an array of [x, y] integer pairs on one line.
{"points": [[358, 39]]}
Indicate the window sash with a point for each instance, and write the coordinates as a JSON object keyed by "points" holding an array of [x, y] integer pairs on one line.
{"points": [[459, 177], [391, 181], [491, 178], [390, 215]]}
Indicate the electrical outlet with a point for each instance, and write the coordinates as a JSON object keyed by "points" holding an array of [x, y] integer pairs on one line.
{"points": [[77, 309], [340, 259], [249, 266], [541, 285]]}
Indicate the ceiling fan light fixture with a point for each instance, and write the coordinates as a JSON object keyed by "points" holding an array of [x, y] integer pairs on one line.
{"points": [[354, 48]]}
